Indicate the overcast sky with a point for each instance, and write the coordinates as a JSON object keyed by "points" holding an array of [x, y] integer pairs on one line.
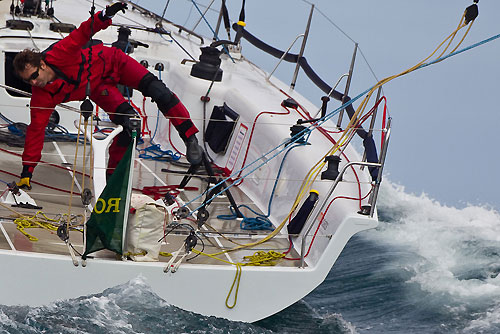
{"points": [[445, 116]]}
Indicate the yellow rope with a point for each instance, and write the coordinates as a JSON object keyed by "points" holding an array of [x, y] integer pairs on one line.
{"points": [[135, 254], [84, 167], [74, 166], [144, 253], [452, 35], [165, 254], [39, 220], [221, 235], [259, 258], [313, 173], [237, 278], [91, 153], [85, 150]]}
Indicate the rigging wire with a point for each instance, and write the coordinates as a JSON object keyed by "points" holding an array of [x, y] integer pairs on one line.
{"points": [[346, 134], [261, 221], [211, 29], [165, 9], [343, 140], [406, 72]]}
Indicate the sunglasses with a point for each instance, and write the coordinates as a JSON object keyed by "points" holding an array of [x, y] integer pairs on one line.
{"points": [[33, 76]]}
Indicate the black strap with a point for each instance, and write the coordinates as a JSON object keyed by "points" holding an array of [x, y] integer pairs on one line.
{"points": [[184, 127], [239, 28], [225, 16], [242, 12]]}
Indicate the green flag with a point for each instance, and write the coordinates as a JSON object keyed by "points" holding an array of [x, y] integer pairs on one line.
{"points": [[105, 225]]}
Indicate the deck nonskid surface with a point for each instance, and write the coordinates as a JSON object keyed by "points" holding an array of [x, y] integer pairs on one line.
{"points": [[147, 173]]}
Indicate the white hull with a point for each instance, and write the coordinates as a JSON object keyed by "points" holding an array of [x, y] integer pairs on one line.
{"points": [[200, 286], [263, 291]]}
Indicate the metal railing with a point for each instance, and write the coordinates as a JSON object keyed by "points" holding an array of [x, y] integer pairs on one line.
{"points": [[331, 91], [373, 198], [347, 85], [284, 55]]}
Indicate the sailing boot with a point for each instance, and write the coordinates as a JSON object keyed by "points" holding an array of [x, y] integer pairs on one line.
{"points": [[194, 152]]}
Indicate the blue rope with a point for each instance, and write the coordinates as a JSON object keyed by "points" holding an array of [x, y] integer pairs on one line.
{"points": [[167, 40], [154, 152], [204, 19], [157, 116], [260, 222], [460, 51], [5, 119], [14, 130], [63, 134]]}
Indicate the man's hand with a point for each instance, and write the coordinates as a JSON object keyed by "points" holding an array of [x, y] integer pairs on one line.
{"points": [[111, 11], [24, 183]]}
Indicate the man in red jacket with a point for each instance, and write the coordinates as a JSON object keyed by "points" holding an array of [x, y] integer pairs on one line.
{"points": [[60, 74]]}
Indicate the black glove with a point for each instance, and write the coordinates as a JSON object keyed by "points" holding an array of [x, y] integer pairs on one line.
{"points": [[111, 11]]}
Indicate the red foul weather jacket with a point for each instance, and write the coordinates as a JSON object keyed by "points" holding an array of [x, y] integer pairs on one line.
{"points": [[69, 60]]}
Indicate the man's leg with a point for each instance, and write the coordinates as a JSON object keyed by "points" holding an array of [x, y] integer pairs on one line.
{"points": [[119, 110], [172, 108], [136, 76]]}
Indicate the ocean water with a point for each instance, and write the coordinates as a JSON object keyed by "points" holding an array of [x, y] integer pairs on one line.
{"points": [[428, 268]]}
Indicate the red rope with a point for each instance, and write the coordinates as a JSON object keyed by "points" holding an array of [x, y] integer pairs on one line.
{"points": [[42, 161], [158, 192], [170, 138], [34, 182], [251, 136], [330, 138], [144, 117]]}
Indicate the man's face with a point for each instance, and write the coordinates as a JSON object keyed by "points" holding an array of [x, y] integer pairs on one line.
{"points": [[36, 76]]}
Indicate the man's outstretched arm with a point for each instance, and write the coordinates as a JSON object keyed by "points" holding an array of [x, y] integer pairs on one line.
{"points": [[80, 36], [41, 109]]}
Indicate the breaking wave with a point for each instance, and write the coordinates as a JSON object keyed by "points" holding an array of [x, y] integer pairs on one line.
{"points": [[428, 268]]}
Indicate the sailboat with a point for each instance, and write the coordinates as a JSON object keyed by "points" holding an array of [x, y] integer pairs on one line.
{"points": [[251, 230]]}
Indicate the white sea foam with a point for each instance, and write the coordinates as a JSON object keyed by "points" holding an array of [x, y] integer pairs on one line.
{"points": [[455, 250], [7, 322], [337, 319], [484, 321]]}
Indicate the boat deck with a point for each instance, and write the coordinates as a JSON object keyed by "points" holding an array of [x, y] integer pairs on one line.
{"points": [[55, 201]]}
